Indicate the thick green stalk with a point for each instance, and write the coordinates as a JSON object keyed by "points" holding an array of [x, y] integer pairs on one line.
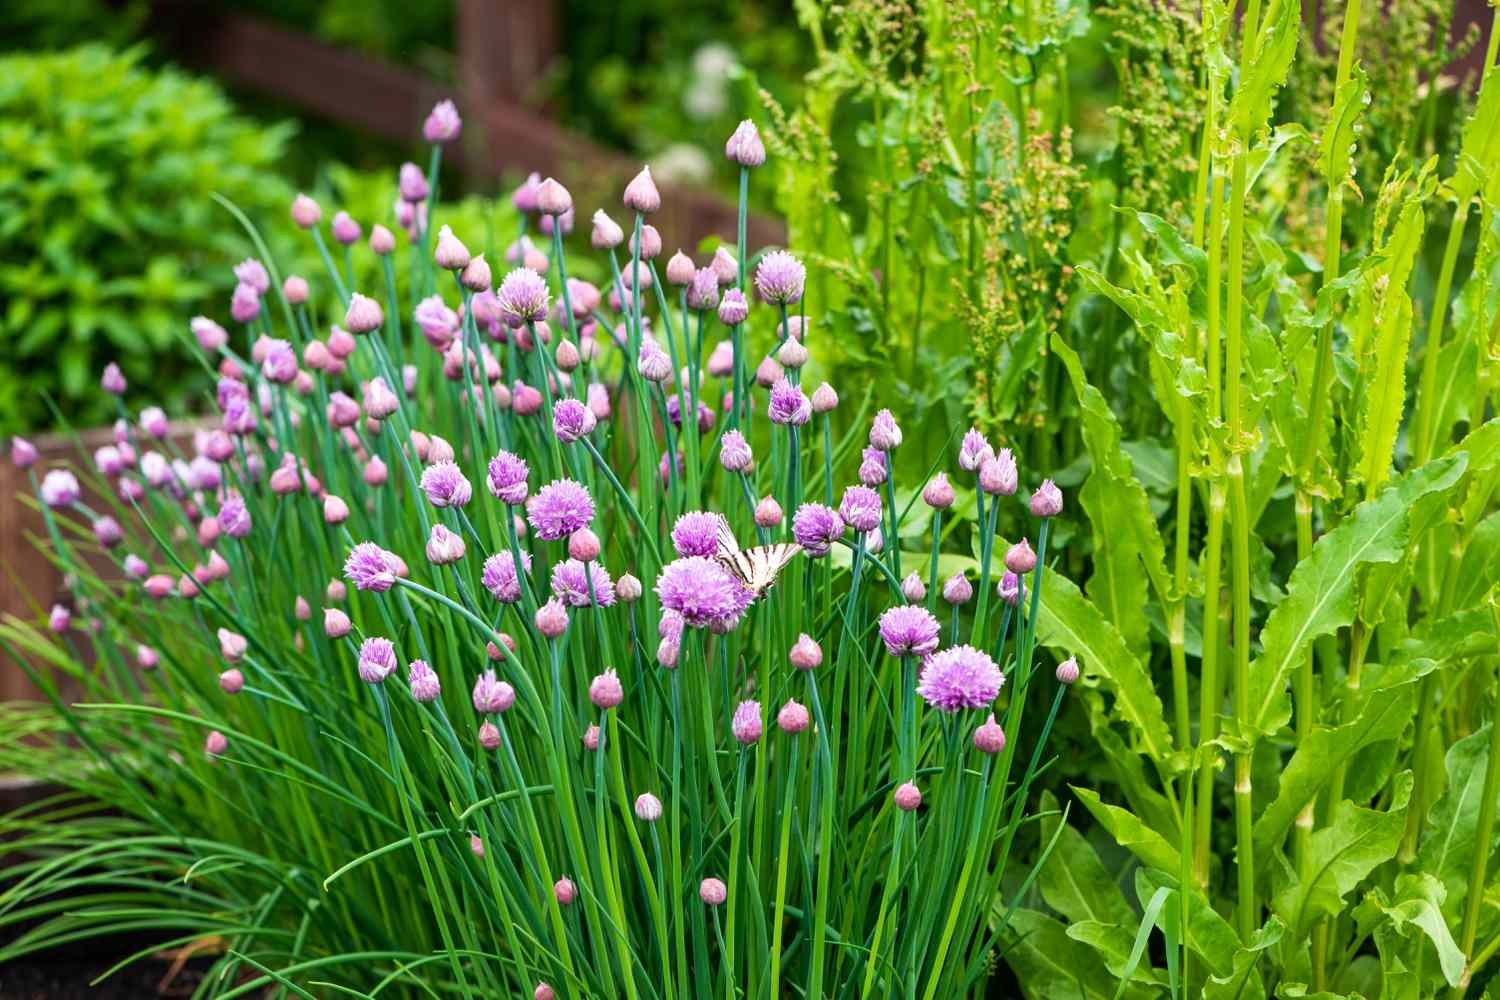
{"points": [[1483, 830]]}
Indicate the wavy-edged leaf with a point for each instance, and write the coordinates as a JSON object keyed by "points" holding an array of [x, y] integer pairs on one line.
{"points": [[1321, 593], [1418, 903], [1071, 623], [1127, 828], [1275, 45], [1335, 157], [1450, 836]]}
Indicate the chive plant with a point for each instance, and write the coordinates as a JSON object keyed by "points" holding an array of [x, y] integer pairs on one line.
{"points": [[534, 646]]}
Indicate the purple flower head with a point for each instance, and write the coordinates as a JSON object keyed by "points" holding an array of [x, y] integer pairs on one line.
{"points": [[973, 451], [443, 123], [703, 293], [370, 567], [746, 724], [779, 278], [653, 364], [280, 364], [523, 297], [860, 508], [244, 305], [989, 737], [606, 691], [958, 590], [725, 266], [154, 421], [234, 516], [641, 194], [425, 686], [445, 485], [884, 433], [438, 323], [499, 576], [136, 567], [107, 531], [816, 528], [377, 658], [1019, 558], [507, 478], [1067, 671], [824, 398], [913, 589], [1047, 501], [23, 453], [363, 315], [872, 467], [938, 493], [450, 253], [793, 717], [733, 309], [701, 590], [909, 630], [997, 474], [734, 452], [571, 582], [674, 413], [789, 404], [252, 272], [959, 677], [1011, 589], [553, 199], [572, 419], [524, 196], [552, 619], [443, 546], [696, 533], [345, 230], [559, 509], [412, 183], [210, 335], [744, 146], [492, 696]]}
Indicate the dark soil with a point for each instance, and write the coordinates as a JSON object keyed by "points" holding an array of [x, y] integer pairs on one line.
{"points": [[67, 975]]}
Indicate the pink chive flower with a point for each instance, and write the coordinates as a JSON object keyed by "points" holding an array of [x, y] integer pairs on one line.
{"points": [[680, 270], [492, 696], [489, 735], [305, 211], [744, 146], [444, 546], [1020, 559], [628, 589], [210, 335], [908, 630], [793, 717], [296, 289], [438, 323], [913, 589], [713, 892], [572, 581], [335, 510], [696, 533], [450, 254], [500, 579], [733, 309], [59, 619], [442, 123], [860, 508], [424, 683], [641, 194], [234, 516], [989, 737], [252, 273], [572, 419], [702, 591], [647, 808], [1067, 671], [280, 364], [345, 230], [412, 183], [215, 744], [552, 619], [605, 690], [232, 681], [654, 365], [908, 797], [973, 450], [560, 508], [768, 513], [107, 531], [606, 234], [872, 467], [59, 489], [377, 658], [824, 399], [136, 567], [507, 478], [703, 293], [806, 654], [445, 485], [746, 724], [885, 434], [524, 197], [370, 567], [734, 452], [154, 421], [1010, 588], [379, 401], [1047, 501], [789, 404], [232, 645], [146, 658], [523, 297], [780, 277], [725, 267], [958, 590], [816, 527], [23, 453], [938, 493], [244, 305], [959, 677], [564, 891], [553, 199], [363, 315]]}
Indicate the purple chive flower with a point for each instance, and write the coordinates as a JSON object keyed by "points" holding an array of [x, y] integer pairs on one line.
{"points": [[377, 658], [713, 891], [884, 433], [641, 194], [560, 508], [734, 452], [572, 419], [107, 532], [370, 567], [1010, 588], [280, 363], [973, 451], [703, 293], [909, 630], [824, 399], [958, 590], [59, 619], [913, 589], [445, 485], [23, 453], [959, 677], [523, 297], [1067, 671], [412, 183], [244, 305], [997, 474], [779, 278], [1047, 501], [363, 315], [908, 797], [444, 547], [345, 230], [816, 528], [653, 364], [136, 567], [499, 576], [1019, 558], [989, 737], [702, 590], [154, 421], [696, 533], [438, 323], [872, 468], [492, 696], [234, 516], [571, 580], [59, 488], [744, 146], [252, 273], [507, 478], [524, 196], [860, 508], [210, 335], [938, 493], [733, 309], [425, 686], [647, 808], [442, 123], [746, 724], [789, 404], [606, 691]]}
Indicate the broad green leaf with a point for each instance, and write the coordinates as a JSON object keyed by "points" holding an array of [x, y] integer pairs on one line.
{"points": [[1480, 152], [1449, 839], [1071, 624], [1383, 715], [1419, 903], [1051, 965], [1112, 943], [1340, 856], [1237, 985], [1132, 834], [1322, 591], [1209, 934], [1073, 880]]}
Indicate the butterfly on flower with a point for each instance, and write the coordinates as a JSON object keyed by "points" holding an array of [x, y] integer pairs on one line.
{"points": [[758, 567]]}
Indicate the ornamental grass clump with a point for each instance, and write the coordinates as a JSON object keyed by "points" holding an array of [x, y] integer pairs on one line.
{"points": [[518, 640]]}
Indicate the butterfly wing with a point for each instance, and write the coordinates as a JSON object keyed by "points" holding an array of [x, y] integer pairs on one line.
{"points": [[765, 563], [728, 545]]}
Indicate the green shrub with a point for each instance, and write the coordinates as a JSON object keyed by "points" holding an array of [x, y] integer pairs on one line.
{"points": [[108, 234]]}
